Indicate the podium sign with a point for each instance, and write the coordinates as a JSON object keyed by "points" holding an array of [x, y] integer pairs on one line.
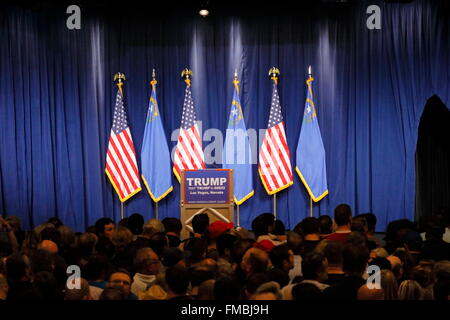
{"points": [[207, 186], [207, 191]]}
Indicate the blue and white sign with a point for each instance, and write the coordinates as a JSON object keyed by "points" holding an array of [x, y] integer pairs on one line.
{"points": [[207, 186]]}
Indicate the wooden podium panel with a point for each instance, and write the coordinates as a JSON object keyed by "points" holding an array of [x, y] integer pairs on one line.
{"points": [[218, 204]]}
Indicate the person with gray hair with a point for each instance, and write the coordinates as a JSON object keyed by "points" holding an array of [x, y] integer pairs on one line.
{"points": [[268, 291], [83, 293], [152, 226], [147, 266]]}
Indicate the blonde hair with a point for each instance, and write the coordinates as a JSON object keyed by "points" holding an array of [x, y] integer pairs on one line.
{"points": [[410, 290], [389, 285]]}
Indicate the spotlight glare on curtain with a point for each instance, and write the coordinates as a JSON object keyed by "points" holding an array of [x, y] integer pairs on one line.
{"points": [[204, 12]]}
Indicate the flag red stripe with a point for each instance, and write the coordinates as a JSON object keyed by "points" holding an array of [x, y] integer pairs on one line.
{"points": [[188, 156], [130, 141], [183, 163], [266, 169], [199, 155], [113, 177], [274, 160], [283, 159], [122, 162], [119, 172], [127, 154]]}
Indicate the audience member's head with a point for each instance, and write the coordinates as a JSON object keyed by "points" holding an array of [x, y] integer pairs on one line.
{"points": [[172, 226], [95, 268], [279, 229], [217, 228], [255, 261], [51, 234], [3, 287], [357, 238], [206, 290], [173, 256], [371, 221], [158, 242], [113, 293], [333, 253], [354, 260], [225, 244], [120, 278], [200, 223], [18, 268], [82, 293], [136, 223], [268, 291], [146, 262], [410, 290], [121, 237], [253, 282], [279, 276], [104, 227], [86, 244], [55, 221], [67, 237], [46, 287], [177, 279], [282, 257], [295, 242], [367, 293], [240, 246], [359, 223], [441, 289], [41, 260], [152, 226], [49, 246], [325, 224], [197, 249], [263, 224], [306, 292], [343, 215], [309, 226], [389, 284], [227, 289], [315, 267], [382, 263]]}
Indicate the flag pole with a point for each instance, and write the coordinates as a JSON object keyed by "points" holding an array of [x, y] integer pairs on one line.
{"points": [[275, 205], [235, 81], [238, 216], [119, 77], [156, 210], [310, 198]]}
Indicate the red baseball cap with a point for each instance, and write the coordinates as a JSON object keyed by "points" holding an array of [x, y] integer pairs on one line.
{"points": [[265, 245], [217, 228]]}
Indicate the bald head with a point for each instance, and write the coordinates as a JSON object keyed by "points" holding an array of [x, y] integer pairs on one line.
{"points": [[365, 293], [395, 261], [255, 260], [49, 246]]}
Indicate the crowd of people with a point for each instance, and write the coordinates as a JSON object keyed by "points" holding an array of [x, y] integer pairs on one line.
{"points": [[325, 258]]}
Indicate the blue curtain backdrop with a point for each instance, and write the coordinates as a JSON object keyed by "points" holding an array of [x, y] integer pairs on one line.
{"points": [[57, 99]]}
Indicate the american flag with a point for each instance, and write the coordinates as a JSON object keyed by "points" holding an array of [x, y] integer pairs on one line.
{"points": [[121, 166], [274, 157], [189, 152]]}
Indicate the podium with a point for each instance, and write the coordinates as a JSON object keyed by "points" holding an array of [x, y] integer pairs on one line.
{"points": [[207, 191]]}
